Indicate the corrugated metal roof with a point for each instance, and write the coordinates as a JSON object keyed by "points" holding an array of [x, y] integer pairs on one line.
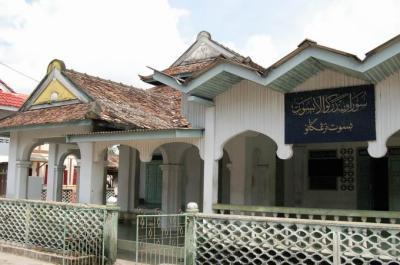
{"points": [[384, 69], [217, 85], [131, 131], [298, 75], [135, 135]]}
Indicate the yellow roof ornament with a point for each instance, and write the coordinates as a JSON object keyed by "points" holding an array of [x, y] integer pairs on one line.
{"points": [[56, 64]]}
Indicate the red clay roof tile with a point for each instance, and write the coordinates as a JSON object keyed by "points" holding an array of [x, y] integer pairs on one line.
{"points": [[12, 99], [114, 103]]}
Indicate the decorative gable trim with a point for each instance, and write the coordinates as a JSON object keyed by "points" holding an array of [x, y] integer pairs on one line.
{"points": [[203, 48], [72, 94], [54, 92]]}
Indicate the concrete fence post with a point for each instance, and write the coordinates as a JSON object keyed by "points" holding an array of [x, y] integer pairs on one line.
{"points": [[27, 223], [336, 245], [190, 238], [111, 234]]}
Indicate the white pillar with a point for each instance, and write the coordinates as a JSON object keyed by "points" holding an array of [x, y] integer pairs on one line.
{"points": [[134, 180], [21, 178], [52, 174], [78, 173], [171, 188], [59, 172], [12, 166], [91, 180], [210, 188], [124, 177], [128, 178]]}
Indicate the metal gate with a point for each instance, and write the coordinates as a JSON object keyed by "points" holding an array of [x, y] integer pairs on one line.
{"points": [[160, 239]]}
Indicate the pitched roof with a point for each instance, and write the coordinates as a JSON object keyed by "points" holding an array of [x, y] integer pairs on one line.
{"points": [[185, 70], [9, 98], [52, 115], [166, 91], [12, 99], [119, 105], [307, 60], [189, 71], [129, 105]]}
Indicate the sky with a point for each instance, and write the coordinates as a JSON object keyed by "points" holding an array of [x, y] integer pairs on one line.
{"points": [[117, 39]]}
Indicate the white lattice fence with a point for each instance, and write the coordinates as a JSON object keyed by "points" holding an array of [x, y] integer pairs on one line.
{"points": [[248, 241], [76, 233], [227, 239], [43, 194], [109, 193], [236, 239], [367, 245], [68, 195]]}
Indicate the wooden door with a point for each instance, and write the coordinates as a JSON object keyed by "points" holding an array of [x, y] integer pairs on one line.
{"points": [[394, 182], [153, 183], [364, 195], [3, 179]]}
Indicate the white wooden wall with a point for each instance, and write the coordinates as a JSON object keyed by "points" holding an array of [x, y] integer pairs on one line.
{"points": [[251, 107], [194, 112], [329, 79], [387, 98]]}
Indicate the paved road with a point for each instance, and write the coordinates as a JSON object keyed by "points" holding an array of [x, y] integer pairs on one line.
{"points": [[9, 259], [125, 258]]}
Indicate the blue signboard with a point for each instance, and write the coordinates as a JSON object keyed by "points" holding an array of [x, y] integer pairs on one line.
{"points": [[330, 115]]}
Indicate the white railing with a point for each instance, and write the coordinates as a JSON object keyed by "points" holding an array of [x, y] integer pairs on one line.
{"points": [[392, 217]]}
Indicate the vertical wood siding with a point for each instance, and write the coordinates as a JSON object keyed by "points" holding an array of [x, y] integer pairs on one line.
{"points": [[329, 79], [387, 98], [250, 107], [194, 113]]}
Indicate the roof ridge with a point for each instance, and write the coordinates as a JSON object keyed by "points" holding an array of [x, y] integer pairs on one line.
{"points": [[383, 46], [121, 85], [243, 58], [226, 48], [105, 80], [196, 61], [14, 94]]}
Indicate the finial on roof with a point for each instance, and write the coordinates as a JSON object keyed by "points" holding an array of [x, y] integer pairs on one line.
{"points": [[307, 42], [204, 34], [56, 64]]}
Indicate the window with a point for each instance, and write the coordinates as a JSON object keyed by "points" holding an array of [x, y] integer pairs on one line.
{"points": [[324, 168]]}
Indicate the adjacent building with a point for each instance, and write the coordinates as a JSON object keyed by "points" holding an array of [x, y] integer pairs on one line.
{"points": [[10, 101]]}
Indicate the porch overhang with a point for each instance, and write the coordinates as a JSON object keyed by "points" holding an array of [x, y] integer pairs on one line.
{"points": [[141, 134], [7, 130], [306, 61]]}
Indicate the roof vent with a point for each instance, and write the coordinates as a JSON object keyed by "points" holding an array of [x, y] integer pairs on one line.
{"points": [[204, 34]]}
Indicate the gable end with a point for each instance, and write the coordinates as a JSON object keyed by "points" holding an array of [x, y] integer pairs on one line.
{"points": [[55, 90]]}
